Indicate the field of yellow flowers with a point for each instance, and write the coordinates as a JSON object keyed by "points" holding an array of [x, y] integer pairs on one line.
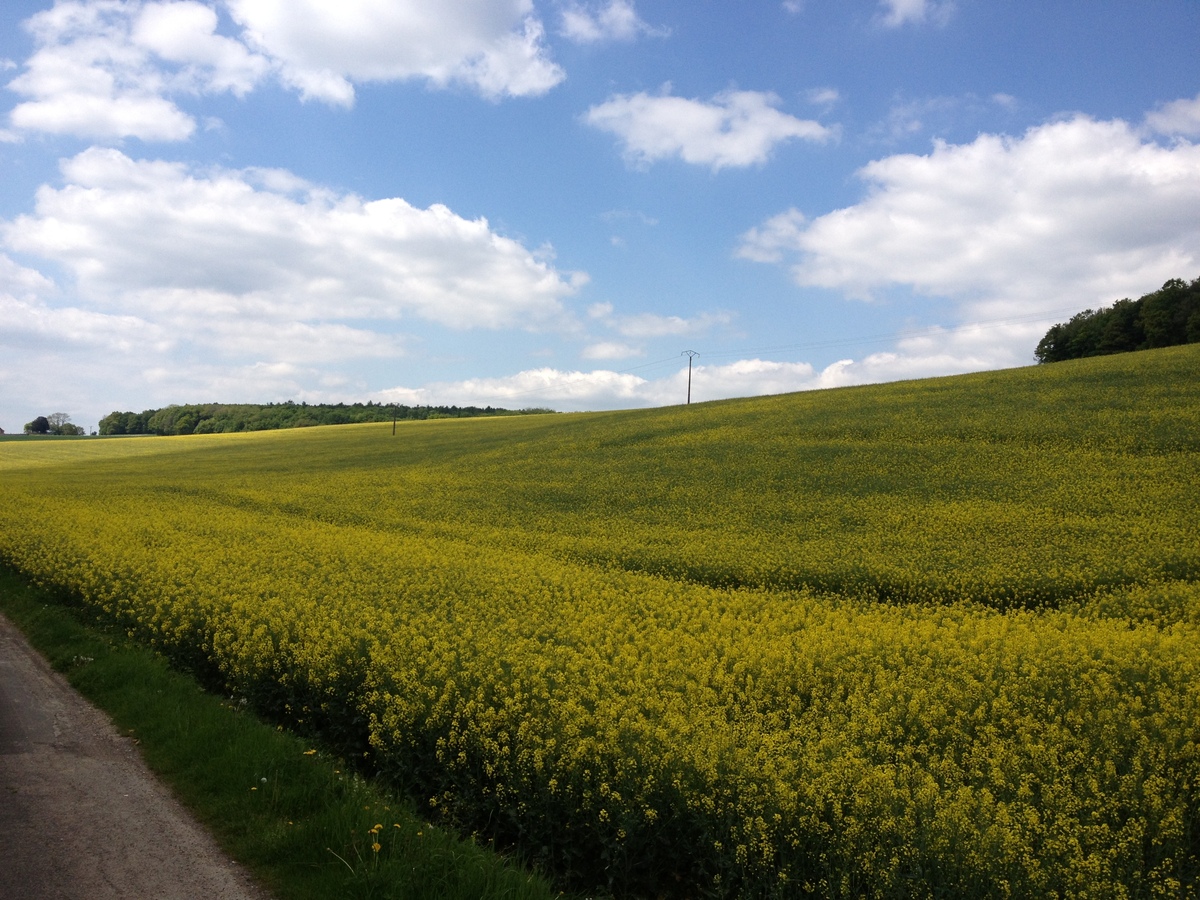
{"points": [[929, 639]]}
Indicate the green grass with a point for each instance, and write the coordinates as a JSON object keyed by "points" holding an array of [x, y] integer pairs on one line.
{"points": [[300, 821]]}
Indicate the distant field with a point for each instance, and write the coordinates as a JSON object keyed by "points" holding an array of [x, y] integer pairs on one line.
{"points": [[42, 437], [935, 638]]}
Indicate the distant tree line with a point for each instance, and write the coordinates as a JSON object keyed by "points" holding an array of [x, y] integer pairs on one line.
{"points": [[1164, 318], [212, 418], [55, 423]]}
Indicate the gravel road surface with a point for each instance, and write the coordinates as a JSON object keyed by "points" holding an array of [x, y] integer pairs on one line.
{"points": [[80, 814]]}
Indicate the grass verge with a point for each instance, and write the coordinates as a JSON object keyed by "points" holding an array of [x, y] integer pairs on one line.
{"points": [[293, 815]]}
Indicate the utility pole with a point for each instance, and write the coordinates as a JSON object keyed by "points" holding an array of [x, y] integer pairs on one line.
{"points": [[690, 354], [395, 413]]}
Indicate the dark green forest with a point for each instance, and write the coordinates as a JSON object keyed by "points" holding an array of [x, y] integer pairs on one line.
{"points": [[211, 418], [1163, 318]]}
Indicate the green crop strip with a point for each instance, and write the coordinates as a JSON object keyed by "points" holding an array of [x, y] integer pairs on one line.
{"points": [[935, 638]]}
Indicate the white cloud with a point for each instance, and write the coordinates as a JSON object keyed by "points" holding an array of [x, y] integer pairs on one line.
{"points": [[258, 264], [104, 68], [25, 323], [900, 12], [185, 33], [651, 325], [109, 69], [735, 128], [823, 96], [606, 389], [646, 325], [610, 350], [1073, 212], [1180, 117], [615, 21], [18, 281], [907, 118], [55, 357], [573, 390], [776, 236], [185, 285], [969, 348], [493, 46]]}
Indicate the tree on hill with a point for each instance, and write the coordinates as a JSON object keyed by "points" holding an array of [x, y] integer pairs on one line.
{"points": [[1163, 318], [55, 423], [60, 423]]}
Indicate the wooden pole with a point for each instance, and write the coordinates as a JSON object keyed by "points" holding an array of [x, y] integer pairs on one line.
{"points": [[690, 354]]}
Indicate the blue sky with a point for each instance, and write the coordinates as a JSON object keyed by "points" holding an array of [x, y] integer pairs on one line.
{"points": [[545, 202]]}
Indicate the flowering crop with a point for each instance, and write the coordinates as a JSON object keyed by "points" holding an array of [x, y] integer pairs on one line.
{"points": [[925, 639]]}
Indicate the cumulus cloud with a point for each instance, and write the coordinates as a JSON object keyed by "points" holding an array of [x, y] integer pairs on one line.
{"points": [[607, 389], [643, 326], [492, 46], [769, 242], [734, 129], [615, 21], [1072, 211], [610, 350], [110, 69], [26, 323], [647, 325], [256, 263], [1070, 215], [1180, 117], [57, 355], [569, 389], [106, 68], [823, 96], [973, 347], [895, 13], [18, 281]]}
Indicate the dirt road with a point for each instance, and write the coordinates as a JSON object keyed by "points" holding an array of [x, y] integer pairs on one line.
{"points": [[80, 814]]}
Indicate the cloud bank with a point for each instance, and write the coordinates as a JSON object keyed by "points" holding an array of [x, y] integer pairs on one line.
{"points": [[259, 266], [1068, 215], [615, 21], [104, 69], [733, 129], [606, 389], [494, 47], [111, 69]]}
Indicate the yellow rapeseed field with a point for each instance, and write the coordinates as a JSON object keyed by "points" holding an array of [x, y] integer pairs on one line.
{"points": [[929, 639]]}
